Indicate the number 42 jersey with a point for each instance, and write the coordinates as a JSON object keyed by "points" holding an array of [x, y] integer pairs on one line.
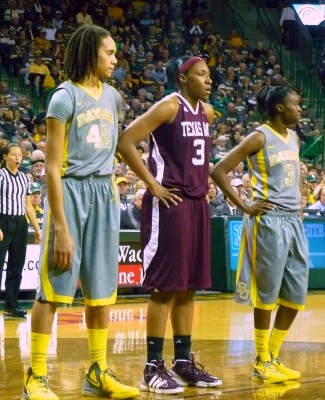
{"points": [[179, 151]]}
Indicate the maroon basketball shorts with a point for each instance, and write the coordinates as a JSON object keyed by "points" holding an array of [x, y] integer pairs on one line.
{"points": [[175, 245]]}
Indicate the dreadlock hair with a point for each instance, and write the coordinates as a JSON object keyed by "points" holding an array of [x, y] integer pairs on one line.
{"points": [[81, 55], [268, 98]]}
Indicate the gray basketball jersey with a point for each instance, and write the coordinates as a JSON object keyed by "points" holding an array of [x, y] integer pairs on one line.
{"points": [[91, 128], [275, 170]]}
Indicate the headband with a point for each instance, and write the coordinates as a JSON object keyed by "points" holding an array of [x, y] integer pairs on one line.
{"points": [[188, 63]]}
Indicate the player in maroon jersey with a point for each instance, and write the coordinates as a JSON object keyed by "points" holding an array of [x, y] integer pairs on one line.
{"points": [[175, 219]]}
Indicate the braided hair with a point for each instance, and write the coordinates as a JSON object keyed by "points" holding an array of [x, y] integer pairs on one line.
{"points": [[81, 55]]}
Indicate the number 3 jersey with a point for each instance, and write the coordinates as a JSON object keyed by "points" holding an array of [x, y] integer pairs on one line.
{"points": [[179, 151], [275, 170], [91, 128]]}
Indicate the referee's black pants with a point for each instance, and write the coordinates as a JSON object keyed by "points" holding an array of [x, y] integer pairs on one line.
{"points": [[15, 234]]}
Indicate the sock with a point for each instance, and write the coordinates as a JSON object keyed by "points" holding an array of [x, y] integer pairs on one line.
{"points": [[275, 342], [182, 347], [97, 342], [261, 337], [154, 348], [39, 345]]}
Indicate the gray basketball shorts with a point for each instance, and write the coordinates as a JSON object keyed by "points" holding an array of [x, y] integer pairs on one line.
{"points": [[273, 261], [92, 211]]}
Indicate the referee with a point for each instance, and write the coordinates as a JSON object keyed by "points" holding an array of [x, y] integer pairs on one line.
{"points": [[15, 203]]}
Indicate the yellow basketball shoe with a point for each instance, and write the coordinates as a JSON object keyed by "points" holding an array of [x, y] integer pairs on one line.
{"points": [[99, 383], [288, 372], [266, 372], [37, 388]]}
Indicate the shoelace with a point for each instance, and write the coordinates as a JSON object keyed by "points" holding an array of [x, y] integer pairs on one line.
{"points": [[162, 368], [195, 365], [43, 381], [112, 374]]}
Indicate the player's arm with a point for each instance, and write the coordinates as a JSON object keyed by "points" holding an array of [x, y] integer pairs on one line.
{"points": [[58, 114], [160, 113], [252, 144]]}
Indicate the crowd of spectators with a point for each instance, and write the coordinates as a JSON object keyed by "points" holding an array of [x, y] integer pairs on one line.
{"points": [[33, 37]]}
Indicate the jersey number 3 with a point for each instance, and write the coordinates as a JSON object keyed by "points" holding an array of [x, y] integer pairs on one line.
{"points": [[199, 146]]}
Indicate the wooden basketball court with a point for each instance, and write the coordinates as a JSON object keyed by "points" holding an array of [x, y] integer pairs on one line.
{"points": [[222, 341]]}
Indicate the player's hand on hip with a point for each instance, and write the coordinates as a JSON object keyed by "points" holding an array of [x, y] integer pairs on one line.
{"points": [[165, 195], [63, 251], [259, 207]]}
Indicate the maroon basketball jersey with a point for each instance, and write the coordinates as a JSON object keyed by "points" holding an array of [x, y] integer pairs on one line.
{"points": [[179, 152]]}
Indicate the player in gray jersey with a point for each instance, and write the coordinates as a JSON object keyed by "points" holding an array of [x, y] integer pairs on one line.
{"points": [[273, 259], [175, 220], [82, 217]]}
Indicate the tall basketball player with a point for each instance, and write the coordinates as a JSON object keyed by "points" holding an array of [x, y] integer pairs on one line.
{"points": [[175, 221], [83, 218], [273, 259]]}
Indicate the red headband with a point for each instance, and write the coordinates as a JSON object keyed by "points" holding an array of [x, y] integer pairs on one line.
{"points": [[188, 63]]}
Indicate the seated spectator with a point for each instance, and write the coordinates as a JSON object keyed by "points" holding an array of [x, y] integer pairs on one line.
{"points": [[312, 182], [227, 208], [235, 138], [10, 95], [26, 112], [236, 40], [238, 171], [307, 123], [8, 125], [37, 201], [159, 73], [37, 74], [118, 171], [177, 46], [41, 41], [30, 31], [40, 131], [247, 188], [15, 57], [122, 185], [131, 179], [212, 197], [48, 58], [231, 116], [38, 171], [57, 21], [83, 18], [320, 200], [147, 82], [220, 149], [23, 132], [259, 51], [130, 217], [238, 184]]}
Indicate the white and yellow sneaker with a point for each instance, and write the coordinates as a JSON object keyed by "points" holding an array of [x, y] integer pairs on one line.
{"points": [[99, 383], [288, 372], [37, 388], [266, 372]]}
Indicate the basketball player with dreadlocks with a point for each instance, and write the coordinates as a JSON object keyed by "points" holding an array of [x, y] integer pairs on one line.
{"points": [[81, 227]]}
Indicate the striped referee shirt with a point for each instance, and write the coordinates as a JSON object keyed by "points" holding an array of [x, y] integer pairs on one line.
{"points": [[13, 192]]}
